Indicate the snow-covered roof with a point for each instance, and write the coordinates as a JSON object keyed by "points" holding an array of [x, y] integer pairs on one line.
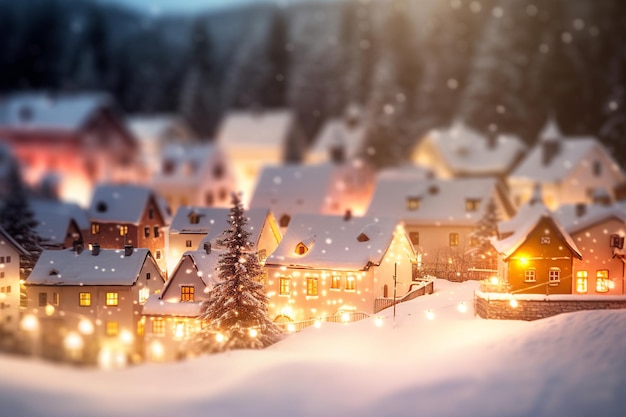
{"points": [[332, 242], [54, 217], [578, 217], [124, 203], [468, 152], [550, 131], [409, 172], [108, 267], [159, 126], [268, 128], [5, 239], [205, 267], [188, 162], [339, 132], [435, 201], [51, 111], [154, 306]]}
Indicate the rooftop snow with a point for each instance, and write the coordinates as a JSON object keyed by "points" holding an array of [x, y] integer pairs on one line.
{"points": [[154, 306], [337, 132], [189, 162], [252, 129], [568, 215], [124, 203], [54, 218]]}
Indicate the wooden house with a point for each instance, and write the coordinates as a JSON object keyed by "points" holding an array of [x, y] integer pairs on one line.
{"points": [[326, 265]]}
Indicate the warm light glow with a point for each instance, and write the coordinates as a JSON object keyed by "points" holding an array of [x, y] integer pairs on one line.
{"points": [[73, 342], [317, 324], [430, 315], [345, 317], [523, 261], [253, 333], [29, 323], [219, 338], [291, 328], [494, 280], [126, 337], [85, 326], [513, 303], [157, 352], [378, 321], [462, 307], [49, 309]]}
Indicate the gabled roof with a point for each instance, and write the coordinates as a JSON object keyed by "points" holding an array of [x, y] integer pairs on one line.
{"points": [[161, 126], [205, 268], [266, 128], [5, 239], [189, 162], [109, 267], [440, 202], [54, 218], [468, 152], [124, 203], [578, 217], [339, 132], [44, 110], [333, 242]]}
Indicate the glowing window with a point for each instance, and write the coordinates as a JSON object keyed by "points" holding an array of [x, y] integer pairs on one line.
{"points": [[454, 239], [412, 203], [158, 326], [144, 293], [335, 282], [95, 228], [180, 330], [350, 283], [581, 281], [301, 249], [285, 286], [123, 230], [84, 299], [311, 286], [554, 276], [530, 275], [112, 328], [111, 299], [602, 280], [472, 204], [187, 293]]}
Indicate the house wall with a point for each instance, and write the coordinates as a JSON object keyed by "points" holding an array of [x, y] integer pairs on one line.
{"points": [[185, 274], [532, 254], [350, 189], [269, 238], [169, 338], [9, 289], [597, 253], [177, 246]]}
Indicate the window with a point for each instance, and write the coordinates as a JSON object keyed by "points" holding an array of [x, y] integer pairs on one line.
{"points": [[194, 218], [554, 276], [208, 198], [616, 241], [123, 230], [95, 228], [412, 203], [157, 231], [545, 240], [472, 204], [474, 241], [454, 239], [84, 299], [1, 259], [311, 286], [55, 298], [187, 293], [187, 243], [146, 232], [301, 249], [222, 194], [5, 260], [9, 289], [597, 168], [415, 238], [1, 274], [148, 276], [581, 281], [530, 275], [112, 328], [262, 255], [111, 299], [158, 254], [43, 299], [335, 282], [158, 326], [180, 330], [284, 220], [350, 283], [151, 213], [285, 286], [602, 280], [144, 293]]}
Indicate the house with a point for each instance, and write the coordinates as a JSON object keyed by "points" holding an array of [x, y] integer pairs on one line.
{"points": [[327, 265], [60, 224], [335, 187], [81, 137], [535, 253], [193, 226], [346, 134], [598, 231], [570, 169], [252, 139], [459, 152], [196, 175], [96, 295], [440, 216], [125, 214], [154, 132], [10, 287]]}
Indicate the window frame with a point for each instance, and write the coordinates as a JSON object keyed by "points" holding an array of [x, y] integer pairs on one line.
{"points": [[582, 280], [350, 284], [284, 285], [602, 281], [530, 275], [335, 282], [158, 326], [187, 293], [84, 299], [112, 328], [554, 276], [112, 299], [453, 239], [312, 285]]}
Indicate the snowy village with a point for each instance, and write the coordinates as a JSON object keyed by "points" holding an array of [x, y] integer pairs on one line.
{"points": [[351, 191]]}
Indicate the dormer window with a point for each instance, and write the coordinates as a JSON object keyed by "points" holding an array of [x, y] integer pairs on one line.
{"points": [[101, 207], [472, 204], [413, 203], [301, 248], [305, 245], [194, 218], [362, 237], [53, 272]]}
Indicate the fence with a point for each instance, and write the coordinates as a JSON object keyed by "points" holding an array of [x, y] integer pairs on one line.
{"points": [[426, 286], [345, 317]]}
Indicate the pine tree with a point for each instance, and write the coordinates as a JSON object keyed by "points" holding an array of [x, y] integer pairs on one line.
{"points": [[235, 312], [486, 228], [18, 220]]}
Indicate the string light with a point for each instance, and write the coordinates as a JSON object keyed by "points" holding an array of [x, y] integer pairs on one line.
{"points": [[430, 314], [462, 307]]}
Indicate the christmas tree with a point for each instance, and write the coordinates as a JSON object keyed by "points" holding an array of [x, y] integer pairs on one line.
{"points": [[486, 228], [234, 315]]}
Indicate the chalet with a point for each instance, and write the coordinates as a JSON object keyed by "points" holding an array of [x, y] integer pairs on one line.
{"points": [[343, 134], [124, 214], [334, 188], [535, 254], [97, 295], [570, 169], [81, 137], [440, 216], [196, 175], [252, 139], [10, 287], [193, 226], [327, 265], [60, 225], [598, 231], [460, 152]]}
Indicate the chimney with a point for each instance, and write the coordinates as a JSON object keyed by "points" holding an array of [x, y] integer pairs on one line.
{"points": [[128, 250], [77, 246], [207, 248], [347, 215], [581, 209], [337, 153], [95, 249], [549, 150]]}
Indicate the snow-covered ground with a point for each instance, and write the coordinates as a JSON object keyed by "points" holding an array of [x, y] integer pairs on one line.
{"points": [[454, 364]]}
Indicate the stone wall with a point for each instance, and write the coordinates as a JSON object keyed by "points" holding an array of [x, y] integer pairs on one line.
{"points": [[501, 309]]}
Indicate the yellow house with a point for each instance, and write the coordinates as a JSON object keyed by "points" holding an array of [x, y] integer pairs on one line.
{"points": [[10, 285]]}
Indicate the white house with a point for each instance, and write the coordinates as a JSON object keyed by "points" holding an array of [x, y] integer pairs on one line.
{"points": [[196, 175], [570, 169], [10, 286], [346, 133], [327, 265], [59, 224]]}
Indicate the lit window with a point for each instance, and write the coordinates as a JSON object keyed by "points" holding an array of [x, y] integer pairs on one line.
{"points": [[84, 299], [112, 328], [187, 293], [111, 299], [285, 286], [530, 275], [350, 283], [412, 203], [581, 281], [301, 249], [472, 204], [123, 230], [141, 327], [311, 286], [146, 231], [454, 239], [554, 276], [602, 280], [158, 326], [55, 298], [144, 293], [95, 228], [335, 283]]}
